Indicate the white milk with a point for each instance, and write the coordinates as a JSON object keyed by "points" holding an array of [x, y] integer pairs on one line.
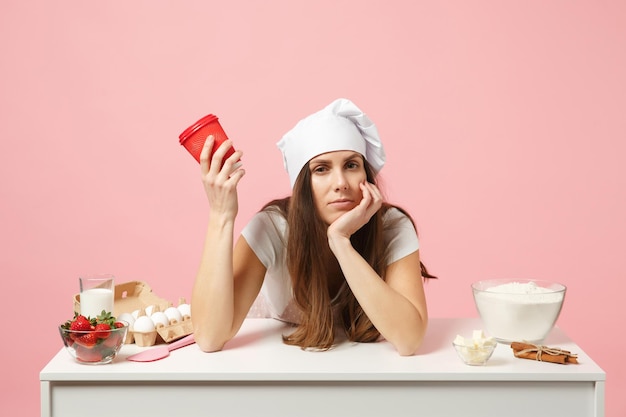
{"points": [[519, 312], [93, 301]]}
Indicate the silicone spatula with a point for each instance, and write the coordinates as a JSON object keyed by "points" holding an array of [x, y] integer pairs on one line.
{"points": [[161, 352]]}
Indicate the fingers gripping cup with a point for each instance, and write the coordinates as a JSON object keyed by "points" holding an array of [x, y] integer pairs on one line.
{"points": [[194, 136]]}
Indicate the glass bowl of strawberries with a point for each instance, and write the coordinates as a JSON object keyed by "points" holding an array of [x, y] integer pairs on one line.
{"points": [[93, 341]]}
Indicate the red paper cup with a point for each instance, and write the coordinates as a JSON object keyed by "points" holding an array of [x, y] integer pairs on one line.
{"points": [[194, 136]]}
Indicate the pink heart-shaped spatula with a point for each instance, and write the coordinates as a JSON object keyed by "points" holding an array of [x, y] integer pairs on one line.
{"points": [[161, 352]]}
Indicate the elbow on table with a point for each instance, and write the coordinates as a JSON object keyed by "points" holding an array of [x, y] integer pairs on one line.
{"points": [[408, 349], [209, 346], [208, 343], [408, 346]]}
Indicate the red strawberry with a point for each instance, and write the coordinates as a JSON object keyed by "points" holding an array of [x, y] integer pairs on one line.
{"points": [[118, 324], [102, 330], [80, 324], [87, 340]]}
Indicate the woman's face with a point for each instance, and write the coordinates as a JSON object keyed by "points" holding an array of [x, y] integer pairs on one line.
{"points": [[335, 179]]}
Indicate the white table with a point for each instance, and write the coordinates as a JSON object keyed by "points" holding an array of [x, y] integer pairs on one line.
{"points": [[257, 375]]}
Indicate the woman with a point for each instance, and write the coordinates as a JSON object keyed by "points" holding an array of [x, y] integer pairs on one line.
{"points": [[333, 258]]}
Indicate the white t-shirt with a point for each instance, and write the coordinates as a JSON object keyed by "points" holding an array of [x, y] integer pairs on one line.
{"points": [[266, 235]]}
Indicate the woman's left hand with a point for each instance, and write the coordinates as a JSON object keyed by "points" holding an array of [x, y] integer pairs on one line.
{"points": [[347, 224]]}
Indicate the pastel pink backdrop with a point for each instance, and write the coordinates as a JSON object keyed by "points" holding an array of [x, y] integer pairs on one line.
{"points": [[503, 122]]}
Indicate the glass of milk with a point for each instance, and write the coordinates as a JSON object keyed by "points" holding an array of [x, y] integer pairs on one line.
{"points": [[96, 294]]}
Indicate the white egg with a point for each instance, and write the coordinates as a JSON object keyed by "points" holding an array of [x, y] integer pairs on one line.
{"points": [[143, 324], [185, 310], [160, 318], [149, 310], [172, 313], [128, 318]]}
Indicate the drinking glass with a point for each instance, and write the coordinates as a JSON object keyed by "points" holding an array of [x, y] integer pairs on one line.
{"points": [[96, 294]]}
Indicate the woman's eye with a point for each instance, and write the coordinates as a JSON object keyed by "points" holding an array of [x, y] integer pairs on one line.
{"points": [[352, 165], [319, 169]]}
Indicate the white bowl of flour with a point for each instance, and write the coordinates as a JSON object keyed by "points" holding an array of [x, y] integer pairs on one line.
{"points": [[516, 310]]}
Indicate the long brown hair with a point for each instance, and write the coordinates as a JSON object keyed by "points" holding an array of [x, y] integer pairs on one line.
{"points": [[311, 265]]}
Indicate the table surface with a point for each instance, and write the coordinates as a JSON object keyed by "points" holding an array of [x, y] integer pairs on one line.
{"points": [[258, 354]]}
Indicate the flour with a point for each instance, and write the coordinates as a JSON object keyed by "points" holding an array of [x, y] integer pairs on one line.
{"points": [[518, 311]]}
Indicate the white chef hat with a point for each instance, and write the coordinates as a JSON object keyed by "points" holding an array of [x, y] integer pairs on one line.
{"points": [[340, 126]]}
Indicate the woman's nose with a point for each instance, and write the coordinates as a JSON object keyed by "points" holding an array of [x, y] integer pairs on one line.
{"points": [[341, 182]]}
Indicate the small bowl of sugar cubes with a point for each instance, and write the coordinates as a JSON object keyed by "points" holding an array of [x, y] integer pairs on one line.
{"points": [[476, 350]]}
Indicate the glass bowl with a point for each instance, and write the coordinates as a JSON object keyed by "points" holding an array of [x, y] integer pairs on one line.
{"points": [[516, 310], [475, 355], [91, 347]]}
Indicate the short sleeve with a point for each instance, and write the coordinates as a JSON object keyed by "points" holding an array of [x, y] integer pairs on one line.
{"points": [[264, 236], [400, 235]]}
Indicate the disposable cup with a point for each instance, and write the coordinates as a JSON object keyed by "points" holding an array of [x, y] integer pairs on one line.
{"points": [[194, 136]]}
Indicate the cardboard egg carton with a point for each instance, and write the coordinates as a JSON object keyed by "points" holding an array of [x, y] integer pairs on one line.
{"points": [[137, 295], [163, 333]]}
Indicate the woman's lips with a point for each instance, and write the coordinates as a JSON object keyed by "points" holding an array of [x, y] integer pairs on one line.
{"points": [[342, 204]]}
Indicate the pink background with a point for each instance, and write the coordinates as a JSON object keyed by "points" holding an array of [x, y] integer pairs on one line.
{"points": [[504, 123]]}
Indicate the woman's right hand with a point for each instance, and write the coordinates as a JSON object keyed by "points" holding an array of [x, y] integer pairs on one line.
{"points": [[220, 181]]}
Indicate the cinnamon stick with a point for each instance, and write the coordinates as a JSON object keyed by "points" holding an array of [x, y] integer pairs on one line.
{"points": [[523, 346], [542, 353]]}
